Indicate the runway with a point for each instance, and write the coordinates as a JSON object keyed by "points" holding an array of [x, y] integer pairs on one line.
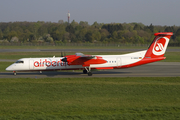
{"points": [[157, 69]]}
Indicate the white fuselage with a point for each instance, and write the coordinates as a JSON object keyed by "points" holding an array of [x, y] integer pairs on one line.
{"points": [[55, 63]]}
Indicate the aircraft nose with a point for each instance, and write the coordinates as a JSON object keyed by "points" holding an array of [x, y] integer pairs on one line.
{"points": [[9, 68]]}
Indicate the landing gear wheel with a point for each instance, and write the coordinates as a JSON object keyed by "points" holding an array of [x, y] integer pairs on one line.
{"points": [[85, 71], [89, 73], [14, 73]]}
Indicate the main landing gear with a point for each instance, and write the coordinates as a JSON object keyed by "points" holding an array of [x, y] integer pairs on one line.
{"points": [[87, 71]]}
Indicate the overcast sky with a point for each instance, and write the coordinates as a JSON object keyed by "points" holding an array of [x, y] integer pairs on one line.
{"points": [[157, 12]]}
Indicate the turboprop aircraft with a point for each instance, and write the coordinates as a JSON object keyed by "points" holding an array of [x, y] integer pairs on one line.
{"points": [[154, 53]]}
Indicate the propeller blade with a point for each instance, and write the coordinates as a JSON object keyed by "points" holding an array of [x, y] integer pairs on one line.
{"points": [[61, 54], [64, 59]]}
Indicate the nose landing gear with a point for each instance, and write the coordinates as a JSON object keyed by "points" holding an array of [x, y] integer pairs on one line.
{"points": [[14, 72]]}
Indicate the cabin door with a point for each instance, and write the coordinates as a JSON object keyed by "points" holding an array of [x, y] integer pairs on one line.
{"points": [[31, 64], [118, 62]]}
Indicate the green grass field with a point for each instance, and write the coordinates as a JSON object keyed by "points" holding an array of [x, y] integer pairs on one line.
{"points": [[90, 98]]}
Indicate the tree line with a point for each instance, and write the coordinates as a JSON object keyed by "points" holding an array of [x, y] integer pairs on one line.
{"points": [[82, 32]]}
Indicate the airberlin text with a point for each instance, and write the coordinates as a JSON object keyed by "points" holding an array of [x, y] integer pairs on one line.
{"points": [[49, 63]]}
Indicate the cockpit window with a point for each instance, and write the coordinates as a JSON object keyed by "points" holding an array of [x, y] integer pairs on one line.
{"points": [[19, 61]]}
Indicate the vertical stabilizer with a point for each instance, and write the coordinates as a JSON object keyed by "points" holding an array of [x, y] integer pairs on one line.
{"points": [[159, 45]]}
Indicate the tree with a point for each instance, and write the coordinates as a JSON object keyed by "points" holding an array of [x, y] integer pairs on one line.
{"points": [[137, 27], [104, 34], [114, 35], [70, 29], [89, 37], [42, 30], [96, 25], [36, 27], [50, 39], [96, 36], [178, 39], [177, 32], [112, 27], [169, 29], [66, 37], [83, 23], [32, 37], [60, 21], [81, 34], [12, 34], [151, 27], [1, 35], [74, 24], [6, 32]]}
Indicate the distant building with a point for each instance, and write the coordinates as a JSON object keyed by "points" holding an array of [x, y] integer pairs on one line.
{"points": [[14, 39]]}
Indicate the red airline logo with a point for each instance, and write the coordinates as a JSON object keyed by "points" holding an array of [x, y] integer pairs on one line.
{"points": [[159, 46], [48, 63]]}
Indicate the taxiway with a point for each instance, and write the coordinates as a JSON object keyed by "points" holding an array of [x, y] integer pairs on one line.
{"points": [[157, 69]]}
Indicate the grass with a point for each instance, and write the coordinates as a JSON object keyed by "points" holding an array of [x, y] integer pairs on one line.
{"points": [[172, 57], [4, 65], [90, 98]]}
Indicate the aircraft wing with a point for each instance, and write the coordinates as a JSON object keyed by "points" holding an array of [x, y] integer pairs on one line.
{"points": [[85, 56], [84, 60]]}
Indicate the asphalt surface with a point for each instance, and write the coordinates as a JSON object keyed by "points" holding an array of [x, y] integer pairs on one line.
{"points": [[157, 69]]}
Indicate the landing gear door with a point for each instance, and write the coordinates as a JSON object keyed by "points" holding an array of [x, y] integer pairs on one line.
{"points": [[119, 62], [31, 64]]}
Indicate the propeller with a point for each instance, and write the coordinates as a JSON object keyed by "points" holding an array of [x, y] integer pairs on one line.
{"points": [[65, 58], [61, 54]]}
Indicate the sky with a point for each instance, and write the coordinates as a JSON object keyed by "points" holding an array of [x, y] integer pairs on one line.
{"points": [[157, 12]]}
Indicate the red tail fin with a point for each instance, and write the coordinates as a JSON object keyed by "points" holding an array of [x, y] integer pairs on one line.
{"points": [[159, 45]]}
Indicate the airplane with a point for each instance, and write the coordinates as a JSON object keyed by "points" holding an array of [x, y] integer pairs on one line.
{"points": [[79, 61]]}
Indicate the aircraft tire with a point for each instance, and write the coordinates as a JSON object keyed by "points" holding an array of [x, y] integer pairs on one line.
{"points": [[89, 73], [85, 71], [14, 73]]}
